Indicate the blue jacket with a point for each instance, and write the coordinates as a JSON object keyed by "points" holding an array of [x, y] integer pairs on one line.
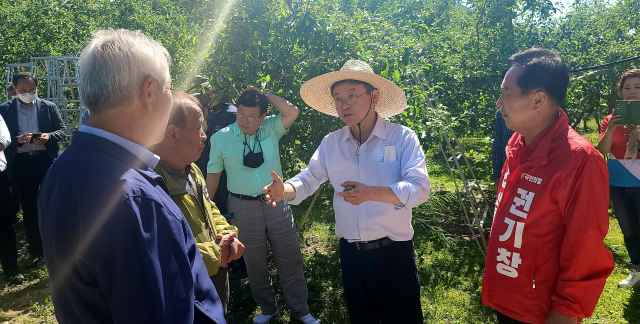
{"points": [[117, 247], [49, 121]]}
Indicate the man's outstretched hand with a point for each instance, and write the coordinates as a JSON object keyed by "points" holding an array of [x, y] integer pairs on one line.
{"points": [[274, 192]]}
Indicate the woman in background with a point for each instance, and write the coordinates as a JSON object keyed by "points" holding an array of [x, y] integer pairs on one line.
{"points": [[620, 142]]}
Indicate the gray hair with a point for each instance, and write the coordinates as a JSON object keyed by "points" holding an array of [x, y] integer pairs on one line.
{"points": [[114, 65]]}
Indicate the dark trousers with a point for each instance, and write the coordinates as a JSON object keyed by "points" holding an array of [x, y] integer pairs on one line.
{"points": [[381, 285], [504, 319], [28, 173], [8, 247], [626, 206], [221, 198], [221, 282]]}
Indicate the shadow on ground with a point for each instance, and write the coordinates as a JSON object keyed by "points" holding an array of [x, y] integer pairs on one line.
{"points": [[15, 301], [632, 311]]}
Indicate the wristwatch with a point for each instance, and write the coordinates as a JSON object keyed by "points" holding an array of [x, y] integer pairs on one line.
{"points": [[266, 94]]}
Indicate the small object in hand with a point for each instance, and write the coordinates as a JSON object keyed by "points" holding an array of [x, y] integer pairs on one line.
{"points": [[35, 136], [348, 188]]}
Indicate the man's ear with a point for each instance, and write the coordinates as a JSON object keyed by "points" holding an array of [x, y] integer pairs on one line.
{"points": [[539, 99], [171, 134], [147, 91], [375, 96]]}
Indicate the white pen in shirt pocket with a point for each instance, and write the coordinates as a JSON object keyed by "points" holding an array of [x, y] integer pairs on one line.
{"points": [[389, 153]]}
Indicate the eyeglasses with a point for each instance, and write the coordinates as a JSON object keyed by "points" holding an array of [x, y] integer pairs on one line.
{"points": [[338, 103], [242, 116]]}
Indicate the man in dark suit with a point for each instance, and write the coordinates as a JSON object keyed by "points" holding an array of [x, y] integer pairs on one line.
{"points": [[36, 127], [117, 247]]}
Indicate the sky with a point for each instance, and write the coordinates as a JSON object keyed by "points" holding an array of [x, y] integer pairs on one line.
{"points": [[565, 5]]}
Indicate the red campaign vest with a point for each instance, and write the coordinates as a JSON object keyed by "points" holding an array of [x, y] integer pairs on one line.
{"points": [[546, 247]]}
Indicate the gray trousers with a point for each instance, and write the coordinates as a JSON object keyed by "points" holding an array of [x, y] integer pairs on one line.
{"points": [[258, 223]]}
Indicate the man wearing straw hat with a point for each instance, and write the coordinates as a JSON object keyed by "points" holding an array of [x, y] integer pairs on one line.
{"points": [[378, 173]]}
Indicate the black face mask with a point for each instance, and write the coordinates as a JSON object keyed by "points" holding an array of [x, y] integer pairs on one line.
{"points": [[252, 159]]}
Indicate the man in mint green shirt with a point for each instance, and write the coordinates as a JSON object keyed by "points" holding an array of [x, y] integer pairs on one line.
{"points": [[249, 150]]}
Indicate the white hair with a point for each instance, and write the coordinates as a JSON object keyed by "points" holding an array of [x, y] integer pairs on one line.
{"points": [[114, 65]]}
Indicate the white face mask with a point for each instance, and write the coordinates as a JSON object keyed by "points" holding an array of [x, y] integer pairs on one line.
{"points": [[27, 97]]}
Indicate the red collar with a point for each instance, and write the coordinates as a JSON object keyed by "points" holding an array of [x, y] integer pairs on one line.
{"points": [[535, 154]]}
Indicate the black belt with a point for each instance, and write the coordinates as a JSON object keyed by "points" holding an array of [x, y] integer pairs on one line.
{"points": [[372, 245], [34, 152], [244, 197]]}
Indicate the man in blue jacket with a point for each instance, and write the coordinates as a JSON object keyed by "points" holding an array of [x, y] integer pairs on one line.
{"points": [[36, 127], [117, 247]]}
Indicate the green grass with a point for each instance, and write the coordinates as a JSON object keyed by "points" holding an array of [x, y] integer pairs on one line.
{"points": [[450, 268], [449, 263]]}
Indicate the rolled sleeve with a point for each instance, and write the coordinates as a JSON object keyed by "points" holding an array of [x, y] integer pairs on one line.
{"points": [[415, 187], [275, 123], [406, 193], [310, 179], [216, 161], [302, 189]]}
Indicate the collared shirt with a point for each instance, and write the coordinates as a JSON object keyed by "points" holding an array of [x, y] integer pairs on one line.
{"points": [[28, 123], [391, 157], [220, 116], [146, 156], [500, 139], [228, 150], [85, 118], [5, 140], [184, 180]]}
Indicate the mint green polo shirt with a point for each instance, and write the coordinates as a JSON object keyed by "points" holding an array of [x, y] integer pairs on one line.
{"points": [[226, 154]]}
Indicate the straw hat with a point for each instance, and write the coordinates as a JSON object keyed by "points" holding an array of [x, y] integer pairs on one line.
{"points": [[317, 91]]}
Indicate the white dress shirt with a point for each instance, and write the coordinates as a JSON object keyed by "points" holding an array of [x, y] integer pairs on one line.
{"points": [[146, 156], [5, 140], [28, 123], [391, 157]]}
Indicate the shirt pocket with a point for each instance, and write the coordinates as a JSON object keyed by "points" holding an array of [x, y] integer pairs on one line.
{"points": [[385, 173]]}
